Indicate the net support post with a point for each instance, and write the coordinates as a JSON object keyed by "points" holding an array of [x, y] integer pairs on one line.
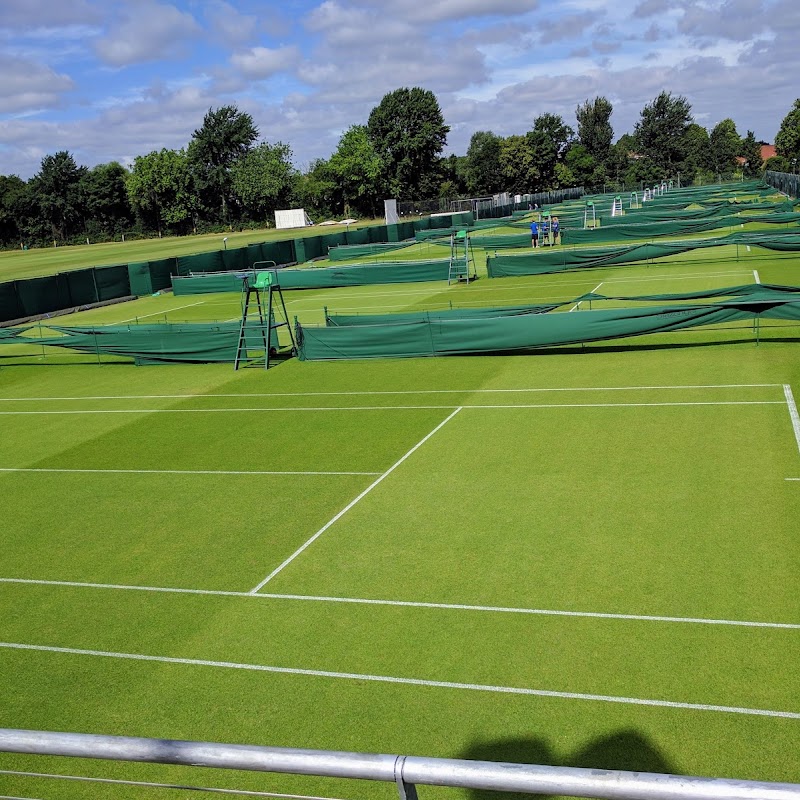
{"points": [[406, 791]]}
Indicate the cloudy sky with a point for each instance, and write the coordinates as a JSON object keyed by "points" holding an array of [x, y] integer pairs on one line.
{"points": [[112, 79]]}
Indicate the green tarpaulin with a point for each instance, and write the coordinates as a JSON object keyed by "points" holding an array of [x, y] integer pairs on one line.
{"points": [[444, 314]]}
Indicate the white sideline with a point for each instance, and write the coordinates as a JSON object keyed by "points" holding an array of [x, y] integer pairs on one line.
{"points": [[544, 612], [178, 471], [393, 392], [159, 313], [787, 390], [389, 408], [355, 676], [577, 305], [363, 494], [756, 277]]}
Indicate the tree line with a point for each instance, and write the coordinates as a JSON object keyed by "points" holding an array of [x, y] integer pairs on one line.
{"points": [[226, 178]]}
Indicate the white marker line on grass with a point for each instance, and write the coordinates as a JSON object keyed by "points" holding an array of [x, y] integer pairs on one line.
{"points": [[158, 313], [392, 408], [356, 676], [756, 277], [352, 503], [787, 390], [396, 392], [543, 612], [577, 305], [180, 471]]}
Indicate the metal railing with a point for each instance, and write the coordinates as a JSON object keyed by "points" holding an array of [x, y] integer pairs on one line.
{"points": [[785, 182], [406, 772]]}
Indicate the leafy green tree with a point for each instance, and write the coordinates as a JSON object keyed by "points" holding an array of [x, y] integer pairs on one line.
{"points": [[698, 161], [160, 189], [594, 127], [356, 168], [57, 190], [751, 153], [777, 164], [548, 141], [105, 196], [11, 188], [484, 175], [518, 165], [317, 191], [225, 136], [454, 171], [408, 133], [726, 145], [661, 131], [263, 179], [580, 168], [787, 142]]}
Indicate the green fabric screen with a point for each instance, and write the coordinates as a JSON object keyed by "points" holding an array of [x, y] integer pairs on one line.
{"points": [[334, 320]]}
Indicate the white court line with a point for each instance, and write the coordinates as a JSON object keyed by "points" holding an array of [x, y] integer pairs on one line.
{"points": [[577, 305], [475, 687], [397, 392], [544, 612], [389, 408], [787, 390], [756, 277], [363, 494], [180, 471], [792, 479], [158, 313]]}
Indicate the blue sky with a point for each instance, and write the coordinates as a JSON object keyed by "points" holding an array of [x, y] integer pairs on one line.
{"points": [[112, 79]]}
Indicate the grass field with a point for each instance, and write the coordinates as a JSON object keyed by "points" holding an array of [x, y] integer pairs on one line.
{"points": [[587, 557]]}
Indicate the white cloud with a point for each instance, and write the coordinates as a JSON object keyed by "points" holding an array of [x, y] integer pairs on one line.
{"points": [[261, 62], [33, 14], [146, 32], [28, 86]]}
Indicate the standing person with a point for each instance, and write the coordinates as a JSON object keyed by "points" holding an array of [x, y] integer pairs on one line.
{"points": [[534, 234], [555, 228]]}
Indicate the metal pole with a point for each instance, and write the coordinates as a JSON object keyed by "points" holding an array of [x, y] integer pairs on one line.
{"points": [[408, 770]]}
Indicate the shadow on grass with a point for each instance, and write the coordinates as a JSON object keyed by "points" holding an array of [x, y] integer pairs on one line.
{"points": [[625, 750]]}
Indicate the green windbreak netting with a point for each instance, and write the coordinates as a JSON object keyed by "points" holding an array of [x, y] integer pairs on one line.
{"points": [[139, 278], [444, 314], [503, 334], [80, 287], [112, 282], [558, 259], [200, 262], [364, 274], [10, 306], [343, 252], [208, 284], [160, 343]]}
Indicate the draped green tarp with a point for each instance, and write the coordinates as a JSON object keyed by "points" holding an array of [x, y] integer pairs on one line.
{"points": [[559, 259], [503, 334], [444, 314], [759, 292], [208, 284], [159, 343], [11, 335]]}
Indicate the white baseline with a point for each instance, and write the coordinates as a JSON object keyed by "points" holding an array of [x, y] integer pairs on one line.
{"points": [[795, 417], [178, 471], [363, 494], [355, 676]]}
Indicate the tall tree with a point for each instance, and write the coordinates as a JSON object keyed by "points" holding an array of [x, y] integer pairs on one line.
{"points": [[57, 190], [11, 187], [263, 179], [317, 191], [357, 170], [787, 142], [549, 141], [697, 160], [105, 196], [726, 144], [160, 189], [661, 131], [751, 153], [484, 175], [225, 136], [594, 127], [408, 132], [518, 165]]}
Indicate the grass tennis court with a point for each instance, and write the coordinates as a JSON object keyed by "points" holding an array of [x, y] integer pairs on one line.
{"points": [[587, 557]]}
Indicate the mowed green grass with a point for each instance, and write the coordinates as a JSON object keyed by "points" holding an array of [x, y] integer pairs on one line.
{"points": [[587, 489], [19, 264]]}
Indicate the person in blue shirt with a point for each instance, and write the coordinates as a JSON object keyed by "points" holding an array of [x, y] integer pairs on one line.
{"points": [[555, 228], [534, 234]]}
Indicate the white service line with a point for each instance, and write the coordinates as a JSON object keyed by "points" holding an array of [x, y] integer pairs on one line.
{"points": [[181, 471], [363, 494], [391, 408], [792, 479], [795, 417], [544, 612], [355, 676], [398, 392], [158, 313], [756, 277], [577, 305]]}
